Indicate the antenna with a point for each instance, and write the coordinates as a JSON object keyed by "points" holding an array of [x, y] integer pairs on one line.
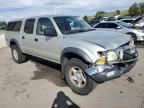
{"points": [[57, 6], [62, 6]]}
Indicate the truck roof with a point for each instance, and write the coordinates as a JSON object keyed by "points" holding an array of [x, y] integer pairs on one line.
{"points": [[50, 16]]}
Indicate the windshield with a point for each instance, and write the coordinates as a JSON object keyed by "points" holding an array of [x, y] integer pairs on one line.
{"points": [[70, 25], [137, 20], [124, 24]]}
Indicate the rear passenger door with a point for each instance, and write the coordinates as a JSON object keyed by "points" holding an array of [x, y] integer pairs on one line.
{"points": [[27, 38]]}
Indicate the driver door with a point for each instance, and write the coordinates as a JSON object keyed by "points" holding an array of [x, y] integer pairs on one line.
{"points": [[46, 45]]}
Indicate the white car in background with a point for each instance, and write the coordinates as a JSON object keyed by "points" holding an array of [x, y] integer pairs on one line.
{"points": [[119, 26], [139, 22], [128, 21]]}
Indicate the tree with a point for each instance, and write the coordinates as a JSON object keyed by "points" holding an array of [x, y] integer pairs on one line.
{"points": [[86, 18], [134, 10], [99, 14], [118, 12], [141, 8], [3, 25]]}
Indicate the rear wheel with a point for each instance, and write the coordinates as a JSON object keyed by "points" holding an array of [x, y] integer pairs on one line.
{"points": [[17, 55], [76, 78]]}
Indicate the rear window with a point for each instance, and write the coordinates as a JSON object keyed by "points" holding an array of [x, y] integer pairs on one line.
{"points": [[14, 26], [112, 25], [127, 21], [101, 25]]}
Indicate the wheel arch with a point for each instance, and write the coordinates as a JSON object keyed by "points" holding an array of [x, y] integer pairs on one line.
{"points": [[132, 34], [69, 53], [14, 42]]}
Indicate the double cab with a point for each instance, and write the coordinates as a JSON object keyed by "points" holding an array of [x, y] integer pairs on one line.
{"points": [[87, 56]]}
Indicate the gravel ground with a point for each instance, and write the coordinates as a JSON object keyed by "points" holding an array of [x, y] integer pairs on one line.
{"points": [[37, 84], [2, 39]]}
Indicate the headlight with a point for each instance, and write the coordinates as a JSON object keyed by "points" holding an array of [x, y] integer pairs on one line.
{"points": [[112, 56]]}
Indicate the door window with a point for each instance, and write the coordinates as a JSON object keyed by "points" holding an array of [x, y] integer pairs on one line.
{"points": [[43, 25], [112, 25], [101, 25], [14, 26], [29, 26]]}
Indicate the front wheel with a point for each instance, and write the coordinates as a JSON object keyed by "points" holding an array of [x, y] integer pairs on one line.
{"points": [[76, 78]]}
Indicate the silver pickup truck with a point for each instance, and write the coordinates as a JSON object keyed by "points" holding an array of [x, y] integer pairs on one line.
{"points": [[87, 56]]}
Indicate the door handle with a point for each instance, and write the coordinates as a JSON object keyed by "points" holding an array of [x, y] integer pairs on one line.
{"points": [[36, 39], [23, 37]]}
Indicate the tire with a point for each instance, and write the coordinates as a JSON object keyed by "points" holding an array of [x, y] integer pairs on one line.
{"points": [[87, 84], [17, 55]]}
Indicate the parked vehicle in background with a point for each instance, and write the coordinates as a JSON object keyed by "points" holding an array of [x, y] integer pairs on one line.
{"points": [[128, 21], [139, 22], [104, 18], [94, 21], [97, 20], [85, 55], [123, 17], [111, 19], [119, 26]]}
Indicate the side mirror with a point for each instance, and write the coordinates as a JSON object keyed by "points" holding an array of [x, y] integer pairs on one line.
{"points": [[119, 27], [50, 32]]}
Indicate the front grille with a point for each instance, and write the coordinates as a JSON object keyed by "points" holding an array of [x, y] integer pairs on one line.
{"points": [[128, 55]]}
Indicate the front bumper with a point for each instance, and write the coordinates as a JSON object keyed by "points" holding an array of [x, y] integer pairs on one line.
{"points": [[108, 71]]}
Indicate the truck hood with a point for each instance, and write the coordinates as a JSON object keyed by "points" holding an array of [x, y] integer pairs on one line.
{"points": [[108, 40]]}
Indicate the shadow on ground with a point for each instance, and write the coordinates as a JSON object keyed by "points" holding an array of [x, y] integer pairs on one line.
{"points": [[63, 101], [48, 71], [139, 44]]}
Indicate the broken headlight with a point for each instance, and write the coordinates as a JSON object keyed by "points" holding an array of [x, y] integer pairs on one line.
{"points": [[112, 56]]}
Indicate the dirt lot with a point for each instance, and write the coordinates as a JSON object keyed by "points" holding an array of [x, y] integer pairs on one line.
{"points": [[2, 39], [37, 84]]}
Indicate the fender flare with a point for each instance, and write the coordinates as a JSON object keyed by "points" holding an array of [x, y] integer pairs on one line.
{"points": [[15, 41], [132, 35], [76, 51]]}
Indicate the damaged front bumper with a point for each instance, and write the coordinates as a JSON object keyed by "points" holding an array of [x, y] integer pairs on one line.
{"points": [[108, 72], [102, 73]]}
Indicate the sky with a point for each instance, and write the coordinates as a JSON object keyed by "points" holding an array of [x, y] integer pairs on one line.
{"points": [[14, 9]]}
